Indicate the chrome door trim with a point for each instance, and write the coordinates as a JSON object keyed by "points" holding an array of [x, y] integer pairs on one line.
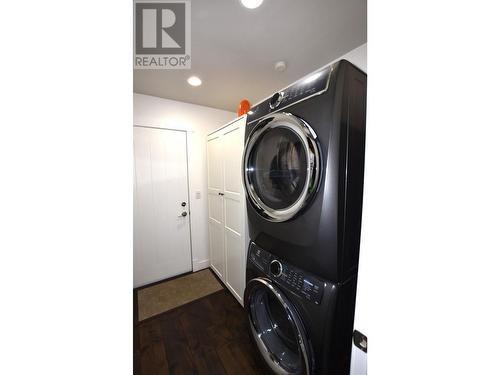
{"points": [[309, 141], [292, 317]]}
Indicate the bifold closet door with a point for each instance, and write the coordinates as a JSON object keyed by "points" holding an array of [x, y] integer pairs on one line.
{"points": [[215, 204], [234, 207], [162, 246]]}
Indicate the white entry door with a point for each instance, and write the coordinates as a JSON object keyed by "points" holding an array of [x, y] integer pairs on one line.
{"points": [[162, 246]]}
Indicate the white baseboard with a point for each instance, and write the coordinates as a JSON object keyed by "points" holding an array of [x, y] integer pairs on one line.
{"points": [[200, 264]]}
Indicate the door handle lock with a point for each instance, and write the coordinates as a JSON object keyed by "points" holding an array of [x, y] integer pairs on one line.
{"points": [[184, 214]]}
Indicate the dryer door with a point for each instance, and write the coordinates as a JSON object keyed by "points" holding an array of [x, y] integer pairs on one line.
{"points": [[277, 329], [281, 166]]}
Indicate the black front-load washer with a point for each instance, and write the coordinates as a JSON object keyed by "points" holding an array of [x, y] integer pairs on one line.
{"points": [[297, 320], [303, 171]]}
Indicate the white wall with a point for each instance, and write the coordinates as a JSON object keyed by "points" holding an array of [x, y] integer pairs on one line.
{"points": [[198, 121], [357, 56]]}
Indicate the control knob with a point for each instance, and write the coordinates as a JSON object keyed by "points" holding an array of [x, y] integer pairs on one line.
{"points": [[276, 268], [276, 100]]}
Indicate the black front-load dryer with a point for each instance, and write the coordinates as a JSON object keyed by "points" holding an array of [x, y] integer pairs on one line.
{"points": [[303, 171], [297, 319]]}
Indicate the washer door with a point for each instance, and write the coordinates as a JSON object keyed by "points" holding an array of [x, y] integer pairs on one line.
{"points": [[281, 166], [277, 329]]}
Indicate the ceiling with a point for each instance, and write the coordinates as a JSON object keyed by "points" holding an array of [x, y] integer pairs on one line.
{"points": [[234, 49]]}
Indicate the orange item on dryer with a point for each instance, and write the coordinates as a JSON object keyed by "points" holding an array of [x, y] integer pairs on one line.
{"points": [[244, 107]]}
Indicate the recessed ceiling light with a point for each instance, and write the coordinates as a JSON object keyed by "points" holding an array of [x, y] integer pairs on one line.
{"points": [[194, 81], [280, 66], [251, 4]]}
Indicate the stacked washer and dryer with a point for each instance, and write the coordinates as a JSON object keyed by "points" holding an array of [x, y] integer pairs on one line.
{"points": [[303, 172]]}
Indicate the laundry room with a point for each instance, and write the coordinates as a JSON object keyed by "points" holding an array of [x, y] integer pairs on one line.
{"points": [[236, 160], [249, 187]]}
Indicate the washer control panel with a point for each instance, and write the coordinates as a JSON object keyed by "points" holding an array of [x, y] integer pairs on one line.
{"points": [[286, 275]]}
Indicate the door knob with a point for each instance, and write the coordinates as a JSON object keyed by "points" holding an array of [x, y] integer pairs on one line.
{"points": [[183, 204], [184, 214], [221, 194]]}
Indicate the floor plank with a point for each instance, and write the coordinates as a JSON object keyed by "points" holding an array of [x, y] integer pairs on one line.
{"points": [[153, 360], [179, 357], [237, 361], [195, 319]]}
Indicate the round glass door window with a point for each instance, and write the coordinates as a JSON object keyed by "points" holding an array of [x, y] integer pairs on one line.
{"points": [[281, 166], [277, 330]]}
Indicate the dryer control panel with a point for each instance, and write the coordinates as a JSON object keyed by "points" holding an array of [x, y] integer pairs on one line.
{"points": [[287, 276], [313, 84]]}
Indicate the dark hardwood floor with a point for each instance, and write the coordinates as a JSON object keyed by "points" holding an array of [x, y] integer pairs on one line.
{"points": [[206, 336]]}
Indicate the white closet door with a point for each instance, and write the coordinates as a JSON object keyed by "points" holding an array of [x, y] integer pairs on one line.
{"points": [[215, 205], [162, 246], [234, 207]]}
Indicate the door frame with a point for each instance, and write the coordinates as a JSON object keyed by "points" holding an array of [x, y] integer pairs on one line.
{"points": [[188, 187]]}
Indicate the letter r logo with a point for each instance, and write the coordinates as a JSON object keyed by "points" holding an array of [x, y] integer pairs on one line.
{"points": [[160, 28]]}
